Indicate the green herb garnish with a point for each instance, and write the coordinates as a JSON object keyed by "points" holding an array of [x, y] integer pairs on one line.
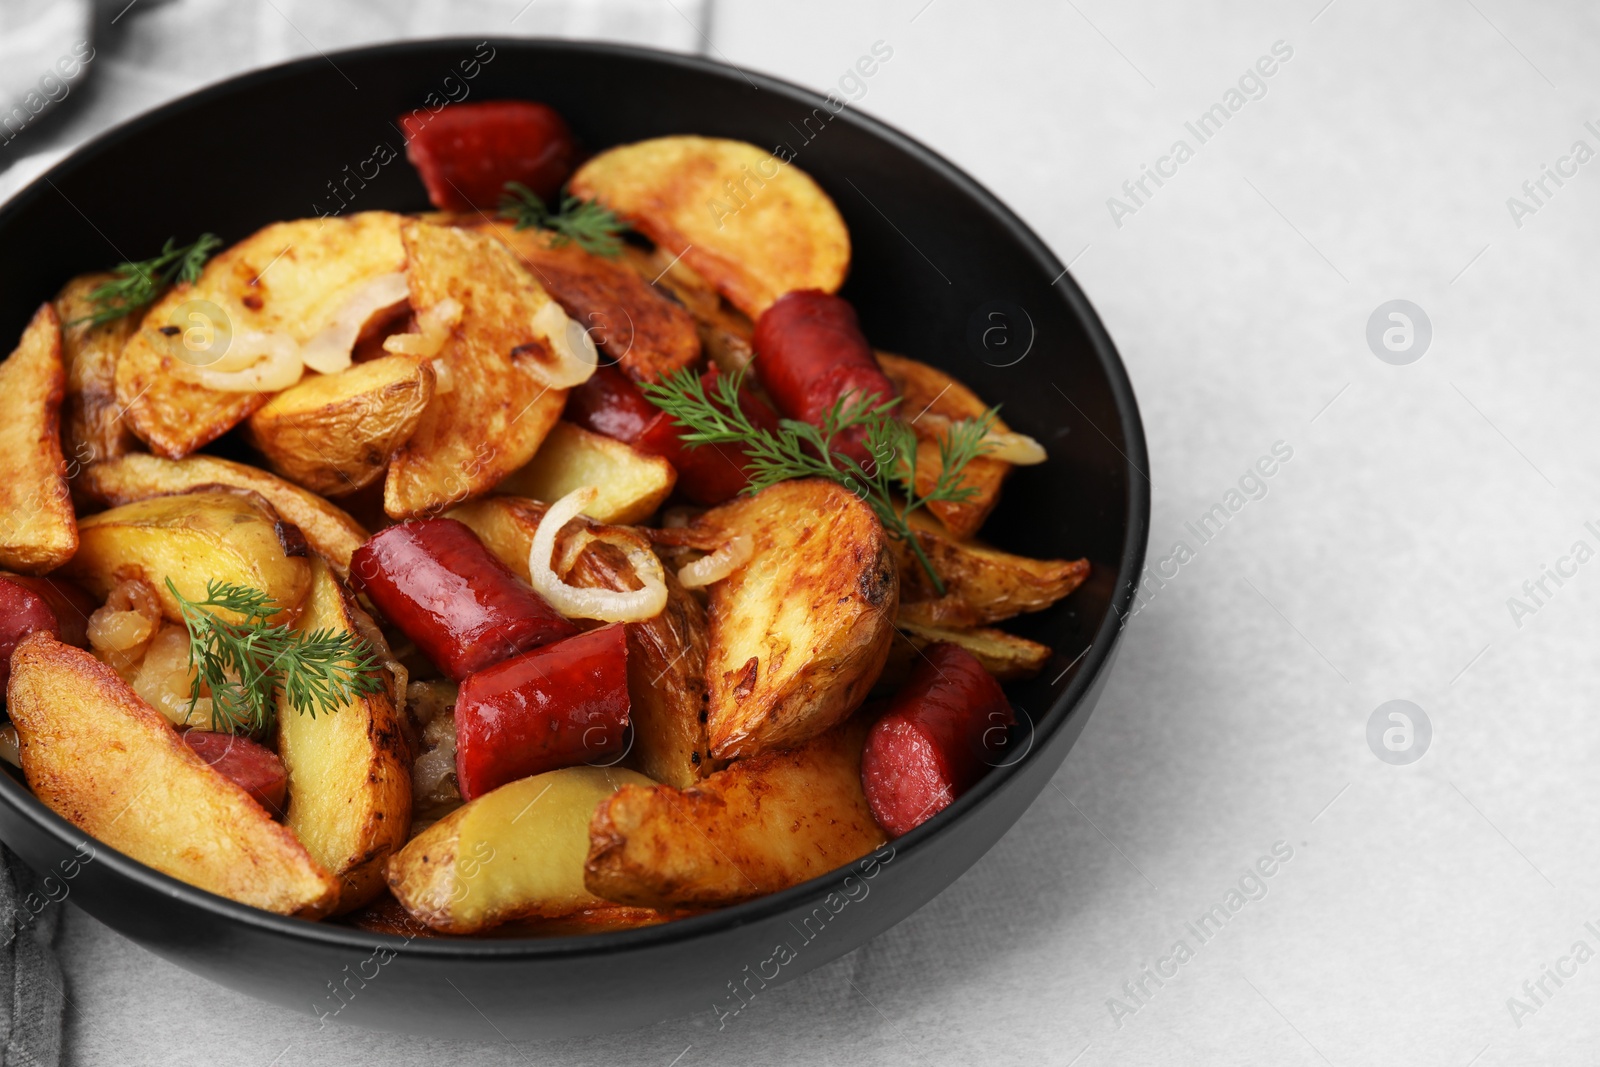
{"points": [[137, 285], [245, 664], [801, 450], [593, 227]]}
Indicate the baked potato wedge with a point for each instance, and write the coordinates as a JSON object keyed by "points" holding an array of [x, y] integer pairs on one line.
{"points": [[515, 852], [762, 825], [37, 529], [931, 392], [497, 410], [798, 634], [139, 476], [334, 433], [192, 538], [106, 761], [291, 278], [635, 327], [750, 223], [349, 770], [632, 484], [982, 584], [92, 428], [1006, 656]]}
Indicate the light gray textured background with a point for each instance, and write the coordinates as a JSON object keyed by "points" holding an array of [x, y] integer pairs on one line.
{"points": [[1378, 566]]}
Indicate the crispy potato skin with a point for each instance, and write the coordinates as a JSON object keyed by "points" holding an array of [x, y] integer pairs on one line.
{"points": [[334, 433], [982, 584], [1006, 656], [786, 235], [762, 825], [497, 412], [485, 863], [800, 632], [106, 761], [386, 915], [930, 390], [632, 484], [349, 771], [290, 278], [635, 326], [37, 529], [138, 477], [666, 672], [215, 533], [91, 419]]}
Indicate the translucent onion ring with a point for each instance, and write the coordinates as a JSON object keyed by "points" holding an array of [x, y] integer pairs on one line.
{"points": [[606, 605], [328, 351], [734, 553], [272, 365], [573, 348]]}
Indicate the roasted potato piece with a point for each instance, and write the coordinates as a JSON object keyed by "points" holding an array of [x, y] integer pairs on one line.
{"points": [[929, 391], [637, 328], [37, 528], [515, 852], [632, 484], [138, 477], [800, 632], [751, 224], [334, 433], [666, 672], [1006, 656], [725, 332], [91, 419], [291, 278], [497, 411], [192, 538], [107, 762], [386, 916], [762, 825], [982, 584], [349, 771]]}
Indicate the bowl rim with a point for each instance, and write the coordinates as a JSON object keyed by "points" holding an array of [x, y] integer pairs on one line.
{"points": [[1096, 657]]}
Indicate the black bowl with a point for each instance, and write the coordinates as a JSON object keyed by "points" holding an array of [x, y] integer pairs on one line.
{"points": [[942, 272]]}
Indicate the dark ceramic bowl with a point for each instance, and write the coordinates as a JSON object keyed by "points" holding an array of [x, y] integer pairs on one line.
{"points": [[942, 271]]}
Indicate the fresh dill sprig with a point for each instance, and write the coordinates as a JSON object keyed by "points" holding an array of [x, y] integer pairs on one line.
{"points": [[137, 285], [245, 664], [595, 228], [802, 450]]}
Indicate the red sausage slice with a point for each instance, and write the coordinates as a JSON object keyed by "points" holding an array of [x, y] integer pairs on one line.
{"points": [[49, 604], [464, 608], [944, 729], [557, 706], [465, 153], [256, 770]]}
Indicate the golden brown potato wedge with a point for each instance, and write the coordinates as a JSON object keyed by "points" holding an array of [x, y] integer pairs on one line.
{"points": [[349, 770], [762, 825], [632, 484], [929, 391], [635, 327], [334, 433], [37, 528], [666, 672], [291, 278], [385, 915], [107, 762], [139, 476], [515, 852], [496, 411], [192, 538], [800, 632], [92, 428], [1006, 656], [751, 224], [982, 584]]}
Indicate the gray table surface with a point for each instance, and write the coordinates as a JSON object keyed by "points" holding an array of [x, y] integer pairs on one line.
{"points": [[1379, 562]]}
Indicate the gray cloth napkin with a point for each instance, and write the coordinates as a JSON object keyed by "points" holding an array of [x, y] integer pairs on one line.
{"points": [[30, 977]]}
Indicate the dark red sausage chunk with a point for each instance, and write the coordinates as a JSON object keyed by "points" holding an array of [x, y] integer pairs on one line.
{"points": [[556, 706], [256, 770], [811, 353], [49, 604], [944, 729], [464, 608], [465, 153]]}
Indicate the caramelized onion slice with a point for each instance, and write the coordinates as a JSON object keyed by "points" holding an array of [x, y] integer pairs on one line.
{"points": [[734, 553], [606, 605], [328, 351]]}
